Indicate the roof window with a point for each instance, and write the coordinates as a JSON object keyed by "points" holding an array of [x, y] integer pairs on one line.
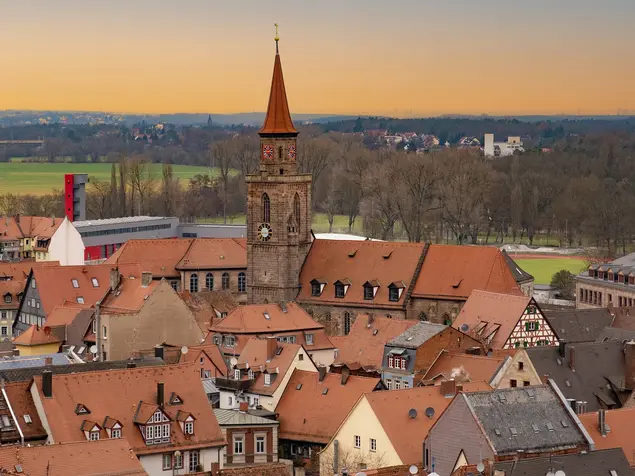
{"points": [[95, 282], [75, 283], [80, 300]]}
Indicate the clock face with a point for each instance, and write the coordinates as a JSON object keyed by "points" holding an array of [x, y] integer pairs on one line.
{"points": [[292, 152], [264, 232], [267, 152]]}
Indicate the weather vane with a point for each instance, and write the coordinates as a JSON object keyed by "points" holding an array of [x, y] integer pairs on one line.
{"points": [[277, 38]]}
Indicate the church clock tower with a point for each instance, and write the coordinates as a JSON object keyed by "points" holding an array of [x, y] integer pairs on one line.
{"points": [[278, 205]]}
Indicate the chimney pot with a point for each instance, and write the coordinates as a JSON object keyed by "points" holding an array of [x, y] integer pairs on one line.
{"points": [[243, 407], [160, 394], [47, 383], [146, 279]]}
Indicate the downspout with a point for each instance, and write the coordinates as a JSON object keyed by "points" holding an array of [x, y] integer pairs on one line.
{"points": [[98, 326], [17, 423]]}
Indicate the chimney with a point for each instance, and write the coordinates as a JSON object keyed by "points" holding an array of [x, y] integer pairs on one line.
{"points": [[561, 348], [322, 372], [272, 347], [629, 365], [448, 388], [47, 383], [283, 306], [336, 456], [572, 358], [16, 352], [243, 407], [48, 360], [131, 365], [146, 279], [602, 422], [545, 379], [346, 372], [114, 278], [160, 394]]}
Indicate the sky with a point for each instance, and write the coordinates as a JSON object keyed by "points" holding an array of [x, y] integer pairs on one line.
{"points": [[398, 58]]}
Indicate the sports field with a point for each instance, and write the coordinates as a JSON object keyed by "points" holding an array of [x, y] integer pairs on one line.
{"points": [[42, 178], [542, 269]]}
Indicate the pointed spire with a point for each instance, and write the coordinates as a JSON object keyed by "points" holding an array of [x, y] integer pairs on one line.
{"points": [[278, 119]]}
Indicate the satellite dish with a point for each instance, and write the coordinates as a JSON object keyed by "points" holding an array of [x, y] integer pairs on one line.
{"points": [[413, 469], [480, 467], [93, 349], [550, 473], [464, 327], [433, 474], [560, 473], [184, 350], [412, 413], [429, 412], [233, 361]]}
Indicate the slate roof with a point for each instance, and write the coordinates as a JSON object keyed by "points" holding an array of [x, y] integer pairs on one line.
{"points": [[520, 275], [236, 417], [612, 333], [594, 463], [417, 335], [579, 325], [522, 418], [30, 361], [596, 364]]}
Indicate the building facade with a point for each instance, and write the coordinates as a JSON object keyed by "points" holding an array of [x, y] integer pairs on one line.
{"points": [[609, 284]]}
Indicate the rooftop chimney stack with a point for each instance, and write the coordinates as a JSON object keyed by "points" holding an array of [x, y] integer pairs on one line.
{"points": [[272, 347], [146, 279], [629, 365], [448, 388], [346, 372], [561, 348], [243, 407], [321, 372], [47, 383], [160, 394], [572, 358], [602, 422], [114, 278]]}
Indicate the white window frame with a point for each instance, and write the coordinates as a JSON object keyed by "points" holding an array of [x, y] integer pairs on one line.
{"points": [[373, 445], [149, 432], [95, 282], [391, 361], [237, 374], [75, 283], [80, 300], [260, 441], [358, 442], [207, 373], [256, 401], [309, 339], [239, 440], [403, 364], [166, 430], [115, 433], [95, 326], [192, 464], [5, 329], [93, 435], [105, 332], [267, 379], [178, 460], [189, 427], [167, 461]]}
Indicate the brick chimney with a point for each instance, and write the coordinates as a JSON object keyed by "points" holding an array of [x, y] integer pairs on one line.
{"points": [[115, 277], [243, 407], [572, 358], [272, 347], [47, 383], [346, 372], [629, 365], [160, 394], [448, 388], [146, 279]]}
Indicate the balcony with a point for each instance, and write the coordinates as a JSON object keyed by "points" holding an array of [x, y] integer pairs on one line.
{"points": [[224, 383]]}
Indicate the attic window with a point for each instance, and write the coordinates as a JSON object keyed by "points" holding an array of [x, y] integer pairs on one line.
{"points": [[7, 298], [80, 300], [309, 339], [75, 283], [341, 287], [394, 291], [250, 374], [27, 419], [298, 387], [266, 314], [81, 409], [267, 379], [325, 391], [95, 282], [93, 436]]}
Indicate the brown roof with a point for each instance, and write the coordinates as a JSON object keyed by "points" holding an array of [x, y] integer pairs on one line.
{"points": [[63, 315], [278, 119], [41, 227], [364, 344], [215, 253], [206, 304], [84, 458], [359, 262], [499, 311], [129, 296], [272, 469], [455, 271], [12, 288], [621, 423], [311, 415], [473, 367], [19, 271], [36, 335], [400, 470], [118, 393], [406, 434], [211, 351], [22, 404], [266, 318]]}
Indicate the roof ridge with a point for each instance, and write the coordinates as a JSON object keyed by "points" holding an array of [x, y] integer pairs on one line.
{"points": [[124, 369]]}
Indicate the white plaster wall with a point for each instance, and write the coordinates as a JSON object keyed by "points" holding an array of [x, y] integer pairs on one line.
{"points": [[153, 464], [66, 245], [323, 357]]}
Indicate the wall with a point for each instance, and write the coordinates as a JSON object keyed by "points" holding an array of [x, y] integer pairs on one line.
{"points": [[249, 434], [218, 281], [163, 318], [304, 364], [512, 372], [449, 339], [435, 310], [362, 422], [153, 464], [332, 317], [599, 286], [520, 337], [44, 349], [6, 320], [322, 357], [66, 245]]}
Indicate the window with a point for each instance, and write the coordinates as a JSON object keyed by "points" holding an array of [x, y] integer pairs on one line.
{"points": [[166, 431], [391, 361], [105, 332], [194, 460], [267, 379], [368, 293], [5, 329], [316, 288], [237, 374], [531, 326], [95, 282], [347, 323], [296, 210], [513, 383], [239, 445], [309, 339], [521, 366], [33, 283], [94, 436], [7, 298], [260, 444], [230, 402], [27, 419], [397, 383], [250, 374], [178, 460], [189, 428], [94, 326], [75, 283], [205, 373], [193, 283], [229, 341], [115, 433], [403, 364], [167, 461], [266, 208], [388, 384], [80, 300], [526, 383], [373, 444], [393, 294], [358, 441], [339, 290], [209, 281], [217, 339], [225, 281], [242, 282]]}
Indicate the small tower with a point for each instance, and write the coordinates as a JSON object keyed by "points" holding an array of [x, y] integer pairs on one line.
{"points": [[278, 205]]}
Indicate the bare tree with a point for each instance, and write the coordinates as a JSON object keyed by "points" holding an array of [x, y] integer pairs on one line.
{"points": [[350, 459], [223, 153], [141, 182], [98, 199]]}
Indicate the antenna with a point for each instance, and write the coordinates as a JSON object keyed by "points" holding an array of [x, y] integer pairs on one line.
{"points": [[412, 413], [429, 412], [184, 350]]}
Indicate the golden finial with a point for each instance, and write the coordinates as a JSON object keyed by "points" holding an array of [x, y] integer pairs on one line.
{"points": [[277, 38]]}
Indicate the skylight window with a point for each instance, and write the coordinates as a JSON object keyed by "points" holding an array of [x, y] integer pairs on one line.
{"points": [[80, 300], [95, 282], [75, 283]]}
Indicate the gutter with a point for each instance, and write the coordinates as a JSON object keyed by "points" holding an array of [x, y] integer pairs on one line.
{"points": [[17, 423]]}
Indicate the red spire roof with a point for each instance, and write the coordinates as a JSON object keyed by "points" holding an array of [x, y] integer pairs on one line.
{"points": [[278, 119]]}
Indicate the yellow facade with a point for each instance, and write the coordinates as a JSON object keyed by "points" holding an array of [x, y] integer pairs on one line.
{"points": [[43, 349], [521, 371]]}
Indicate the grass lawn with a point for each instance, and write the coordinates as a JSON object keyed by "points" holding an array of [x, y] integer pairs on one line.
{"points": [[42, 178], [320, 223], [542, 269]]}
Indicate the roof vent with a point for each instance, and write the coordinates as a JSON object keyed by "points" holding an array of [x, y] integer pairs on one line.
{"points": [[409, 338], [18, 468], [498, 432], [352, 254], [535, 428], [513, 431], [387, 255], [325, 391], [299, 386], [412, 413], [375, 332], [465, 328], [550, 427], [266, 314], [458, 283]]}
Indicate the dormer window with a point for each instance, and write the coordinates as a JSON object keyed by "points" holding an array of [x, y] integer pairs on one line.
{"points": [[94, 436], [250, 374], [267, 379], [75, 283], [217, 339], [80, 300], [237, 374], [370, 290], [309, 339], [115, 433], [189, 427], [317, 286], [7, 298], [395, 290], [341, 287], [230, 341]]}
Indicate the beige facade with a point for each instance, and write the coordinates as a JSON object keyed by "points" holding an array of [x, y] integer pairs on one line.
{"points": [[518, 371], [593, 294], [164, 317], [232, 280], [439, 311]]}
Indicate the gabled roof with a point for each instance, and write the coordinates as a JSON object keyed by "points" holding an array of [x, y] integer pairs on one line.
{"points": [[310, 414], [417, 335], [84, 458], [215, 253], [40, 227], [36, 335], [533, 419], [359, 262], [130, 296], [579, 325], [211, 351], [501, 311], [472, 367], [405, 433], [278, 119], [455, 271], [12, 288], [208, 306], [22, 405], [620, 435], [235, 417], [364, 345], [119, 394], [159, 256]]}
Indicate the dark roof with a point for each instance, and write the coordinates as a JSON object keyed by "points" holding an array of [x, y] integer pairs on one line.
{"points": [[579, 325], [417, 335], [595, 365], [19, 375], [580, 464], [612, 333], [523, 418], [520, 275]]}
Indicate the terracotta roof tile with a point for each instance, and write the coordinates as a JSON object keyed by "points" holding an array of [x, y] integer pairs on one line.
{"points": [[117, 394], [206, 304], [212, 253], [501, 311], [359, 262], [36, 335], [63, 315], [364, 344], [85, 458], [474, 367], [621, 423], [272, 469], [313, 416], [129, 296], [455, 271], [22, 404], [41, 227], [11, 288], [266, 318], [278, 119], [213, 352]]}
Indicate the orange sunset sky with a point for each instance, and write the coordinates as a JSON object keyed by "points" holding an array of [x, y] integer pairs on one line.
{"points": [[401, 58]]}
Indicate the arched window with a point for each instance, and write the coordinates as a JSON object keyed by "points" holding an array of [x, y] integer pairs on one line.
{"points": [[266, 208], [193, 283], [209, 281], [225, 281], [242, 283], [296, 211], [280, 152], [347, 323]]}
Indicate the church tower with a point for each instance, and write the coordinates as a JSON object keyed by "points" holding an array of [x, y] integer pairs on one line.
{"points": [[278, 205]]}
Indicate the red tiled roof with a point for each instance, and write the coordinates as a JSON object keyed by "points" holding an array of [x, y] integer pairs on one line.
{"points": [[63, 315], [158, 257], [129, 296], [499, 311], [359, 262], [118, 393], [41, 227], [36, 335], [475, 367], [278, 119], [621, 423], [364, 344], [12, 288], [455, 271], [212, 352], [252, 319], [22, 404], [311, 415], [84, 458], [215, 253]]}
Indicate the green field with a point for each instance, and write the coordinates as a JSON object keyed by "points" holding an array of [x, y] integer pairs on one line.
{"points": [[320, 223], [42, 178], [542, 269]]}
